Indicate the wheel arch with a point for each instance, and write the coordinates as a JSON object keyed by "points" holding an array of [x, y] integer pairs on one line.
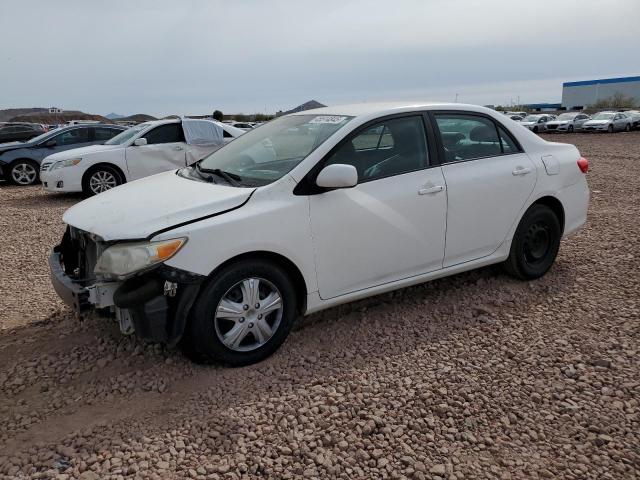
{"points": [[290, 268], [92, 168], [555, 205]]}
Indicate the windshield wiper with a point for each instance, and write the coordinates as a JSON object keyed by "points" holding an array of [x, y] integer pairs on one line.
{"points": [[229, 177]]}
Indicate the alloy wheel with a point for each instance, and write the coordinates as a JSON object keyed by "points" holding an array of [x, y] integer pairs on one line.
{"points": [[24, 174], [248, 314], [102, 181]]}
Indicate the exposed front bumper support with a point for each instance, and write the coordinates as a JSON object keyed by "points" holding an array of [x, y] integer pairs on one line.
{"points": [[74, 295]]}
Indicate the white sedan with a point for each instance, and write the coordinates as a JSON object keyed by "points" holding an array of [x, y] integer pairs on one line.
{"points": [[142, 150], [347, 202]]}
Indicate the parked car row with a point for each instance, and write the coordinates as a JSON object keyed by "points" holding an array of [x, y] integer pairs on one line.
{"points": [[92, 158], [20, 131], [569, 122]]}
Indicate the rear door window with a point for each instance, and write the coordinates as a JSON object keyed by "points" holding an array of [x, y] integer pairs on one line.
{"points": [[71, 137], [169, 133], [466, 137]]}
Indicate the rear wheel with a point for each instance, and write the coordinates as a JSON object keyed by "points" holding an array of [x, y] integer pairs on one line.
{"points": [[535, 244], [100, 179], [24, 172], [242, 315]]}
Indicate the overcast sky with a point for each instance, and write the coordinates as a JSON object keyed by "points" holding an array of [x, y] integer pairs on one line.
{"points": [[191, 56]]}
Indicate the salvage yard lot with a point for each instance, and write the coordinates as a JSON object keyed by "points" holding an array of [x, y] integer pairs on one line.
{"points": [[473, 376]]}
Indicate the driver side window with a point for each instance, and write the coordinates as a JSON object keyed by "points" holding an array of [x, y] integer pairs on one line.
{"points": [[392, 147]]}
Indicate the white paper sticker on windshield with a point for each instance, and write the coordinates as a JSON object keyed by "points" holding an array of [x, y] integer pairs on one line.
{"points": [[328, 119]]}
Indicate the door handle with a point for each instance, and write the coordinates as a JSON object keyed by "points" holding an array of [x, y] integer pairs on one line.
{"points": [[178, 148], [429, 190], [521, 171]]}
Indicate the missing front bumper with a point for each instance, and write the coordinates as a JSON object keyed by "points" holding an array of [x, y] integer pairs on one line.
{"points": [[143, 303]]}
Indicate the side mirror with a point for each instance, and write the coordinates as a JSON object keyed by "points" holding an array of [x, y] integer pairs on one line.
{"points": [[337, 176], [140, 142], [50, 143]]}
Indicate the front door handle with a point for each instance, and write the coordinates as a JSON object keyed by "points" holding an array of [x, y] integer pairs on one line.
{"points": [[521, 171], [178, 148], [429, 190]]}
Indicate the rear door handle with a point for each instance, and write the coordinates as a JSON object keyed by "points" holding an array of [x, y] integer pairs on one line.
{"points": [[521, 171], [429, 190]]}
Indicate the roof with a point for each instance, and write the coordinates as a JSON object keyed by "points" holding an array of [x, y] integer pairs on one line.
{"points": [[601, 81], [384, 108]]}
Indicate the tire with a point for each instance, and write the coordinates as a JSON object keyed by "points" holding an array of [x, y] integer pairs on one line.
{"points": [[209, 336], [535, 129], [627, 128], [100, 179], [610, 129], [570, 128], [535, 244], [24, 172]]}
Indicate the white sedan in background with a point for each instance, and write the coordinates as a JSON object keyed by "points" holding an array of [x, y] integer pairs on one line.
{"points": [[315, 209], [142, 150], [567, 122], [536, 123], [608, 122]]}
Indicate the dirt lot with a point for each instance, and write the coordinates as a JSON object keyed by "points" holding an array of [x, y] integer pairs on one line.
{"points": [[475, 376]]}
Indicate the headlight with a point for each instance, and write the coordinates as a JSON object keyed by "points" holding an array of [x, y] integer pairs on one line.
{"points": [[66, 163], [121, 260]]}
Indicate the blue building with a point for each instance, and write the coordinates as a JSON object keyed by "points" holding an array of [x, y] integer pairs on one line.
{"points": [[577, 95]]}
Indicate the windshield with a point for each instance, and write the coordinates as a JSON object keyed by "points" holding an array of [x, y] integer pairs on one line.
{"points": [[531, 118], [126, 135], [265, 154], [44, 136], [567, 116], [603, 116]]}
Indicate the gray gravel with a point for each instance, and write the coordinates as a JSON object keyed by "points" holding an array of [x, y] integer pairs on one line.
{"points": [[474, 376]]}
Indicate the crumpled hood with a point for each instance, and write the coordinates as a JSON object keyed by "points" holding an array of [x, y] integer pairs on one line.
{"points": [[138, 209], [79, 152]]}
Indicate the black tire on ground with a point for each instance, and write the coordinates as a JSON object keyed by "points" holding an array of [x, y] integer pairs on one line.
{"points": [[627, 128], [202, 342], [535, 244], [610, 129], [570, 128], [24, 172], [535, 129], [99, 179]]}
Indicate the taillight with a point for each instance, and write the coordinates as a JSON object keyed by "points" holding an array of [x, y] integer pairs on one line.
{"points": [[583, 164]]}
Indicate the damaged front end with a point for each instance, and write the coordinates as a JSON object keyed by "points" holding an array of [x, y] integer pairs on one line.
{"points": [[154, 302]]}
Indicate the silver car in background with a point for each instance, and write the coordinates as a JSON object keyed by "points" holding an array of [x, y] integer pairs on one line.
{"points": [[567, 122], [536, 123], [607, 122], [634, 115]]}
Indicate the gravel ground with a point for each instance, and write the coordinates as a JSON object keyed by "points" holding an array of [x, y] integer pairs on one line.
{"points": [[473, 376]]}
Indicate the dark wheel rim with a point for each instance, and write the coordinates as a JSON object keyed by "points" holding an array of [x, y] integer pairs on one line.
{"points": [[570, 128], [537, 243], [248, 314]]}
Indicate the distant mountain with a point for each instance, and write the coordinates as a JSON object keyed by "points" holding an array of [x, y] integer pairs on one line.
{"points": [[310, 105], [114, 116], [138, 117], [43, 116], [9, 113]]}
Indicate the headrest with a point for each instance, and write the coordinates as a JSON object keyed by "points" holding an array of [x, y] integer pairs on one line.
{"points": [[483, 133]]}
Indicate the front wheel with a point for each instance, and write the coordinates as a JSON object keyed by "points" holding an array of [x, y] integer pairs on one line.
{"points": [[610, 129], [570, 128], [535, 244], [627, 128], [243, 314], [23, 172], [535, 129], [100, 179]]}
